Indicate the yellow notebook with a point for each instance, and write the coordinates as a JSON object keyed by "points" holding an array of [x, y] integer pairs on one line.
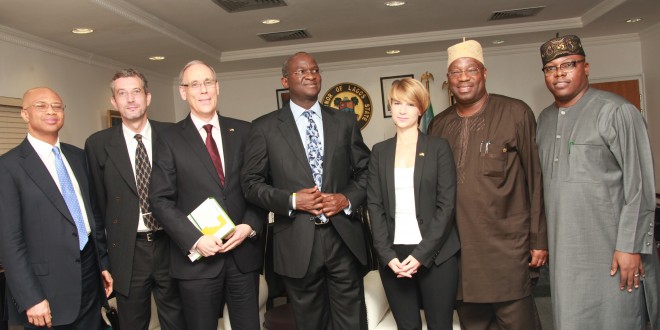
{"points": [[211, 219]]}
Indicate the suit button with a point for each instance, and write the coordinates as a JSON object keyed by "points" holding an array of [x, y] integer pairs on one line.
{"points": [[115, 221], [74, 234], [78, 260], [114, 245], [117, 198], [420, 221]]}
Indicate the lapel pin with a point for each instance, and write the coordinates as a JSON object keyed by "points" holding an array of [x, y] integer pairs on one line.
{"points": [[421, 154]]}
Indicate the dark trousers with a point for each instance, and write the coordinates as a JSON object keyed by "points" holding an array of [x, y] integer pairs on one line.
{"points": [[3, 306], [151, 274], [435, 288], [202, 299], [89, 317], [331, 294], [511, 315]]}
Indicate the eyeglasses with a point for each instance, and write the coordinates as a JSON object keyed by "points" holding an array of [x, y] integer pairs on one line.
{"points": [[472, 72], [43, 106], [198, 84], [124, 93], [565, 67], [302, 73]]}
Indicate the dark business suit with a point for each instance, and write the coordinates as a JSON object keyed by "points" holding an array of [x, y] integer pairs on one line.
{"points": [[117, 195], [39, 239], [275, 167], [183, 177], [435, 194]]}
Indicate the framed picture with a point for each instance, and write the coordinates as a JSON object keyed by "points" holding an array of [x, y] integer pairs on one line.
{"points": [[385, 84], [114, 118], [282, 96]]}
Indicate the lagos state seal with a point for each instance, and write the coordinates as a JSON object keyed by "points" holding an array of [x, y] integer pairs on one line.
{"points": [[349, 97]]}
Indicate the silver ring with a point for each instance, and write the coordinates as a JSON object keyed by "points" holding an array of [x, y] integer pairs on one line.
{"points": [[636, 275]]}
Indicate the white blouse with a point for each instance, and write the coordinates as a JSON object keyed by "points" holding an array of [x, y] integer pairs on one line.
{"points": [[406, 229]]}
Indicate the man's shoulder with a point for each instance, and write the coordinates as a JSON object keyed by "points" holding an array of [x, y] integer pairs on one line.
{"points": [[511, 103], [233, 122], [101, 136], [270, 117], [159, 125]]}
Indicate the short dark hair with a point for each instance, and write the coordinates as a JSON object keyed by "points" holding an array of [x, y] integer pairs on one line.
{"points": [[126, 73], [288, 59]]}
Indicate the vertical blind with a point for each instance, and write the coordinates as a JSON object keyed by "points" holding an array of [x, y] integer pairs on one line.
{"points": [[12, 127]]}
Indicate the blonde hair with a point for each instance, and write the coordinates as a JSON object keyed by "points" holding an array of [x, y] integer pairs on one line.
{"points": [[410, 90]]}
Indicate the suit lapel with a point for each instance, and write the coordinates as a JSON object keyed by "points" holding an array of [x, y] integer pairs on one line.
{"points": [[228, 148], [289, 130], [388, 160], [118, 154], [330, 129], [37, 171], [420, 161], [191, 136]]}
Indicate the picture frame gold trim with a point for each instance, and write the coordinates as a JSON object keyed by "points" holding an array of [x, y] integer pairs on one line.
{"points": [[114, 118]]}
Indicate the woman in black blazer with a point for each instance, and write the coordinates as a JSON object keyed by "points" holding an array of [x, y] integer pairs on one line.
{"points": [[411, 192]]}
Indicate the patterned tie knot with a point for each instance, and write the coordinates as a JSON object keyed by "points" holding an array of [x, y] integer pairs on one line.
{"points": [[138, 137]]}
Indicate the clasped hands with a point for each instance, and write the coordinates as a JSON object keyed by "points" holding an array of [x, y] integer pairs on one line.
{"points": [[312, 201], [407, 268], [209, 245]]}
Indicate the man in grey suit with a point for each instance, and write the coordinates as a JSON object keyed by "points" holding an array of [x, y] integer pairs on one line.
{"points": [[318, 246], [197, 158], [52, 242], [139, 249]]}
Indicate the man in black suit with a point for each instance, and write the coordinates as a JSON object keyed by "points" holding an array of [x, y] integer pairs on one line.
{"points": [[139, 249], [52, 242], [197, 158], [318, 246]]}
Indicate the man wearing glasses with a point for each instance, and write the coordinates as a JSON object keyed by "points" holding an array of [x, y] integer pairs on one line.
{"points": [[53, 245], [197, 158], [120, 163], [599, 197], [499, 202], [308, 165]]}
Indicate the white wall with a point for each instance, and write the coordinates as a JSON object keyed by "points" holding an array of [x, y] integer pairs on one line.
{"points": [[512, 71], [650, 55], [84, 87]]}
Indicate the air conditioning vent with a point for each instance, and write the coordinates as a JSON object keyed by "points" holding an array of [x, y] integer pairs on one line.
{"points": [[285, 35], [515, 13], [232, 6]]}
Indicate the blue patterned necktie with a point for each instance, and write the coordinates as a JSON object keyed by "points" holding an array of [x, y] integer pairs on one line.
{"points": [[315, 154], [70, 197]]}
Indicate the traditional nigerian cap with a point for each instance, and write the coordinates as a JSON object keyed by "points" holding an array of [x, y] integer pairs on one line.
{"points": [[560, 47], [470, 48]]}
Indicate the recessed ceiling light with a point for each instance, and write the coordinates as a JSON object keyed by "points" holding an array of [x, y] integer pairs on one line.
{"points": [[270, 21], [634, 20], [82, 30], [498, 42], [392, 52], [157, 58], [395, 3]]}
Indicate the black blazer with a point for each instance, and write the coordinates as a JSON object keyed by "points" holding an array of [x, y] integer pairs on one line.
{"points": [[435, 196], [117, 196], [276, 166], [183, 177], [38, 236]]}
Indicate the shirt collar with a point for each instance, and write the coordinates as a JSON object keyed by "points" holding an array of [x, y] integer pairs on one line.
{"points": [[42, 148], [130, 135], [298, 110], [199, 123]]}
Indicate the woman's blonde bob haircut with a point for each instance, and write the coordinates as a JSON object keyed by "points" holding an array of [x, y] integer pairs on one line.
{"points": [[409, 90]]}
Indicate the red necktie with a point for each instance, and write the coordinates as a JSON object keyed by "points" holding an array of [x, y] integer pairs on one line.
{"points": [[213, 151]]}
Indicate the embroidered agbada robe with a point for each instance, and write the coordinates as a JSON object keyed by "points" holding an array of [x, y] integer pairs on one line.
{"points": [[599, 188], [499, 202]]}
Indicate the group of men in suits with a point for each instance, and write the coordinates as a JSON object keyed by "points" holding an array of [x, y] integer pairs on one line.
{"points": [[59, 203]]}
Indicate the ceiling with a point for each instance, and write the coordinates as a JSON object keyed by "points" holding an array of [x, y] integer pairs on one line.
{"points": [[127, 32]]}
